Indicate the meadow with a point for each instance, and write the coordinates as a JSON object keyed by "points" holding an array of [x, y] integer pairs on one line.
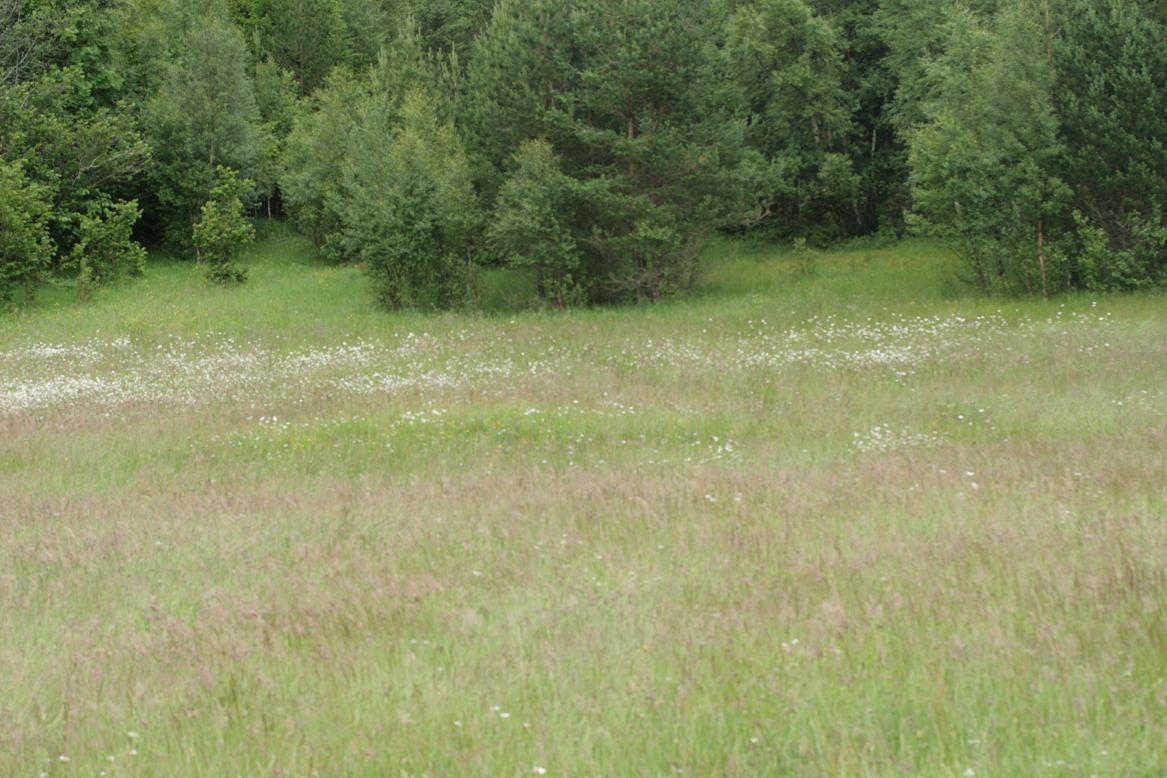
{"points": [[824, 516]]}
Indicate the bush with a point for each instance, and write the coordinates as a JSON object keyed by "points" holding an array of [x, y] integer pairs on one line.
{"points": [[221, 229], [528, 230], [1104, 267], [105, 249], [25, 246], [409, 207]]}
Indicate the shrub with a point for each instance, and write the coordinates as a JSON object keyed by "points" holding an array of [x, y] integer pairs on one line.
{"points": [[25, 246], [528, 229], [105, 249], [221, 229]]}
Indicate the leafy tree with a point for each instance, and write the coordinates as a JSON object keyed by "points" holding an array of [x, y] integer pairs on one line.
{"points": [[788, 62], [409, 208], [984, 164], [312, 173], [877, 153], [105, 249], [204, 116], [325, 129], [529, 226], [61, 112], [83, 153], [25, 245], [221, 229], [23, 31]]}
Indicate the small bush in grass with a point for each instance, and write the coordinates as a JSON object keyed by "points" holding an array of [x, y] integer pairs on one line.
{"points": [[105, 249], [222, 230], [529, 230]]}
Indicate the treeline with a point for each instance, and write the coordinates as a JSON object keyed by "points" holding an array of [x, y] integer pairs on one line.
{"points": [[595, 142]]}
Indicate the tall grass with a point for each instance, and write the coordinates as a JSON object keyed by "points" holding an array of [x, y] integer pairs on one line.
{"points": [[848, 521]]}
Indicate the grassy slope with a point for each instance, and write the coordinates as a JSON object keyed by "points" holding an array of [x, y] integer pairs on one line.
{"points": [[845, 522]]}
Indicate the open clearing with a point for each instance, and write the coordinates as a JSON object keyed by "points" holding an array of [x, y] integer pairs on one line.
{"points": [[844, 521]]}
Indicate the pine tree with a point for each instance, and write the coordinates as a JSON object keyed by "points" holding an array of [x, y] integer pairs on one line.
{"points": [[1110, 59], [304, 37], [629, 96]]}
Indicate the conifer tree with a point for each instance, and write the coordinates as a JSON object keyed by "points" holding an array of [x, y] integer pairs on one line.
{"points": [[628, 94], [1110, 97]]}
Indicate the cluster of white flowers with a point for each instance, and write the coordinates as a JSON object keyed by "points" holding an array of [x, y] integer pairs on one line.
{"points": [[115, 372], [898, 344], [120, 372], [883, 439]]}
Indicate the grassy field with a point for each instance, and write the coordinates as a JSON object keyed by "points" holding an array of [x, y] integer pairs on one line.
{"points": [[820, 518]]}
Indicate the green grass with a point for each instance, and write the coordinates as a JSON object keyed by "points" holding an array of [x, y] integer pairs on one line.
{"points": [[817, 518]]}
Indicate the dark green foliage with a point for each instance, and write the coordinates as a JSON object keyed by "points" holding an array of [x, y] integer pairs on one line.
{"points": [[324, 136], [984, 165], [368, 29], [221, 230], [593, 142], [789, 64], [275, 97], [448, 24], [1110, 59], [313, 160], [63, 120], [25, 246], [305, 37], [627, 93], [308, 38], [1042, 147], [877, 152], [1091, 254], [81, 152], [519, 77]]}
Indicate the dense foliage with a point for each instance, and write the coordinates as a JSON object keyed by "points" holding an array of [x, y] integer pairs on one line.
{"points": [[594, 143], [220, 230]]}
